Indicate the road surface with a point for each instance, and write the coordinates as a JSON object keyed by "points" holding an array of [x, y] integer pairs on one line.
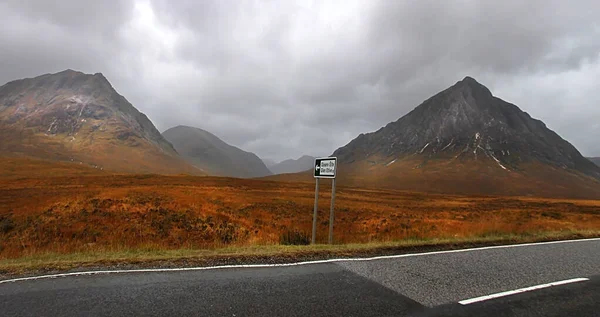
{"points": [[497, 281]]}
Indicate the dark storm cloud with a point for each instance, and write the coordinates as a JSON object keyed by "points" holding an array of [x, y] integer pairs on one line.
{"points": [[284, 79], [506, 37], [50, 36], [101, 17]]}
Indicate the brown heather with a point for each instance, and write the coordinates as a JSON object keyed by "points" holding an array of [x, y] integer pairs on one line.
{"points": [[72, 208]]}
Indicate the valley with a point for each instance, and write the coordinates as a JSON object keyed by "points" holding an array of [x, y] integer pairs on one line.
{"points": [[299, 158], [91, 212], [82, 171]]}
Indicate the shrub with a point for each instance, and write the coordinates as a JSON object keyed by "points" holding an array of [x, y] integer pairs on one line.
{"points": [[552, 214], [6, 224], [294, 238]]}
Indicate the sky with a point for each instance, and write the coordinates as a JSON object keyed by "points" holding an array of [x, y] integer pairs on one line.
{"points": [[284, 78]]}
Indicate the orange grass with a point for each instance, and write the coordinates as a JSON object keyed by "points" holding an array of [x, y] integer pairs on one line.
{"points": [[88, 213]]}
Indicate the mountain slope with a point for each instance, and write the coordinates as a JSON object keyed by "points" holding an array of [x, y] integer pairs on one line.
{"points": [[71, 116], [465, 140], [293, 166], [205, 150], [269, 162], [595, 160]]}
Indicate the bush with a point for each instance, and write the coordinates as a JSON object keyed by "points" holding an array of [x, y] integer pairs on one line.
{"points": [[294, 238], [6, 224], [552, 214]]}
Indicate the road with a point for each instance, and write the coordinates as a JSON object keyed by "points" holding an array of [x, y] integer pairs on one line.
{"points": [[430, 284]]}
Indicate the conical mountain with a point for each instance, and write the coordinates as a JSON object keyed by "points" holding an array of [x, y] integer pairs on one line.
{"points": [[72, 116], [205, 150], [466, 140]]}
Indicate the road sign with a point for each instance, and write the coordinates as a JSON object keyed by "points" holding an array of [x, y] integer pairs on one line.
{"points": [[325, 167]]}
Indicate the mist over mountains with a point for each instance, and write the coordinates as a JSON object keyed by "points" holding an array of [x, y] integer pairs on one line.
{"points": [[303, 163], [461, 140], [206, 151]]}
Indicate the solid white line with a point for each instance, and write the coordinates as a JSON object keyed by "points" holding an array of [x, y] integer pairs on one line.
{"points": [[520, 290], [292, 264]]}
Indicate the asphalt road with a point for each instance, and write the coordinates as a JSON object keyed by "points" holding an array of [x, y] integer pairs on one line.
{"points": [[430, 284]]}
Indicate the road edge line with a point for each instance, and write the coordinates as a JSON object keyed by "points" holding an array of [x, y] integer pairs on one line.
{"points": [[520, 290], [240, 266]]}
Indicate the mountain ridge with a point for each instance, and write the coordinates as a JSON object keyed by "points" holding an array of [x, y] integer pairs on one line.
{"points": [[204, 149], [465, 140], [303, 163], [269, 162], [72, 116]]}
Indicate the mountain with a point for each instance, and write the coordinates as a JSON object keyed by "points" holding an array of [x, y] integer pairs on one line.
{"points": [[269, 162], [72, 116], [596, 160], [207, 151], [465, 140], [293, 166]]}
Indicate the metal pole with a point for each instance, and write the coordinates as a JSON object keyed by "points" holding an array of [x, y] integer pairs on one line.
{"points": [[331, 211], [314, 228]]}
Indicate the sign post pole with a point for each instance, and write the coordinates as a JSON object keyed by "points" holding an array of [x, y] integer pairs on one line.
{"points": [[324, 168], [331, 215], [314, 227]]}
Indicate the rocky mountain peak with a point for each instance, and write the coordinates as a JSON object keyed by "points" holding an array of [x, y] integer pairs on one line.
{"points": [[471, 82], [472, 87], [77, 107], [466, 121], [68, 81]]}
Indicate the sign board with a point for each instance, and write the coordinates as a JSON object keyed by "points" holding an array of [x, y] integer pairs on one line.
{"points": [[325, 167]]}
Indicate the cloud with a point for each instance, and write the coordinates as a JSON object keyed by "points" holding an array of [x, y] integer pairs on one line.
{"points": [[284, 79]]}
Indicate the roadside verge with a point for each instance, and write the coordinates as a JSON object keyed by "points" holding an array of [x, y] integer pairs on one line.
{"points": [[257, 254]]}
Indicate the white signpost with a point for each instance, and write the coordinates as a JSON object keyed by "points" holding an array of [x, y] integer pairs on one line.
{"points": [[324, 168]]}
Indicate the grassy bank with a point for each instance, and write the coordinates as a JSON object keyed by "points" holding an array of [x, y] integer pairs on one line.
{"points": [[150, 257]]}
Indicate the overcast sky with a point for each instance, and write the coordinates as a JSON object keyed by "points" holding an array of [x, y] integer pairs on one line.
{"points": [[283, 78]]}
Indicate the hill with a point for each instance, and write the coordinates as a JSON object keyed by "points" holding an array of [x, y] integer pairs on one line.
{"points": [[464, 140], [293, 166], [205, 150], [596, 160], [75, 117]]}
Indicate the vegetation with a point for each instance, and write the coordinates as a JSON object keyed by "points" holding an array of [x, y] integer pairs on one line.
{"points": [[82, 218], [294, 238], [156, 256]]}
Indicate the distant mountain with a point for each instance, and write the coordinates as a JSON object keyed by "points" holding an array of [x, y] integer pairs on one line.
{"points": [[596, 160], [205, 150], [269, 162], [293, 166], [72, 116], [464, 140]]}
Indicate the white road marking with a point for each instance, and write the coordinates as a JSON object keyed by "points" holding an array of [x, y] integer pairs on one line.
{"points": [[520, 290], [240, 266]]}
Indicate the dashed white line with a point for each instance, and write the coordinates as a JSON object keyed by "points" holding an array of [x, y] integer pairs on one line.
{"points": [[520, 290], [239, 266]]}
